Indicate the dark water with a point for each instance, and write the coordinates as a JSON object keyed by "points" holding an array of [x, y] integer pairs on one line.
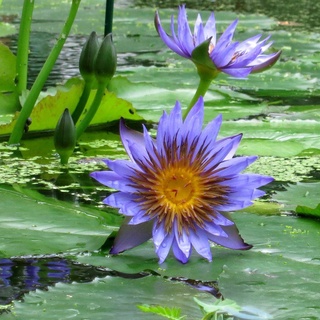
{"points": [[21, 275], [303, 14]]}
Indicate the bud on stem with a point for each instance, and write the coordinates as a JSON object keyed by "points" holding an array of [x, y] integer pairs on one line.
{"points": [[65, 137]]}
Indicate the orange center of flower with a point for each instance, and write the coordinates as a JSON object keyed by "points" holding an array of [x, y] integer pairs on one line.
{"points": [[180, 190]]}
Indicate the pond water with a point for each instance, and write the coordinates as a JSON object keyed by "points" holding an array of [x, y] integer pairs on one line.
{"points": [[55, 232]]}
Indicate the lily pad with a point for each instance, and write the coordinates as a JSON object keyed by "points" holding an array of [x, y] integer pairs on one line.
{"points": [[109, 298], [309, 212], [39, 226], [300, 194], [285, 255], [48, 109], [8, 69]]}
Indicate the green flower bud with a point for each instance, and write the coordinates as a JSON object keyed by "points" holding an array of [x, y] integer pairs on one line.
{"points": [[65, 137], [87, 57], [106, 60]]}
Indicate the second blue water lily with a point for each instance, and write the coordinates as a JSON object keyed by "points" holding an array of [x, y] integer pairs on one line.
{"points": [[212, 55]]}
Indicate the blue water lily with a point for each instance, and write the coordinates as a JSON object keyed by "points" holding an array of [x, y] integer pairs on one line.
{"points": [[179, 187], [212, 55]]}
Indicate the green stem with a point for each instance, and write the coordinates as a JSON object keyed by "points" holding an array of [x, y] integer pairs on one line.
{"points": [[201, 91], [82, 102], [23, 46], [92, 110], [108, 17], [32, 97]]}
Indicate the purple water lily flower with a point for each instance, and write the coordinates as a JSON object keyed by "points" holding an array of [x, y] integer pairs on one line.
{"points": [[237, 59], [179, 187]]}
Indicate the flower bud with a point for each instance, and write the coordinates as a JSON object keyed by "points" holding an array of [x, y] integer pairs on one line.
{"points": [[106, 60], [87, 57], [65, 137]]}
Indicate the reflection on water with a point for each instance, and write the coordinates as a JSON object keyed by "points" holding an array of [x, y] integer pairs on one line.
{"points": [[41, 44], [302, 14], [291, 13], [19, 276]]}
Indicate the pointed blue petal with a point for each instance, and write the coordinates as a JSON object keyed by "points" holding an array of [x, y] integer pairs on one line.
{"points": [[246, 194], [199, 35], [221, 220], [130, 236], [199, 241], [226, 37], [265, 61], [178, 253], [234, 165], [183, 242], [192, 126], [234, 204], [132, 136], [113, 180], [126, 202], [122, 167], [237, 72], [214, 229], [210, 29], [139, 217], [171, 42], [247, 180], [162, 241], [233, 239]]}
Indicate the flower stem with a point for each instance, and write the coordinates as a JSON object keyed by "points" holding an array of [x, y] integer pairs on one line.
{"points": [[108, 17], [82, 102], [201, 91], [32, 97], [92, 110], [23, 46]]}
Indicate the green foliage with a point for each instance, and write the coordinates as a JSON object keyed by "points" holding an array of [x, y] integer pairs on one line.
{"points": [[218, 310], [277, 112], [9, 102], [309, 212], [300, 194], [56, 226], [51, 105], [169, 313]]}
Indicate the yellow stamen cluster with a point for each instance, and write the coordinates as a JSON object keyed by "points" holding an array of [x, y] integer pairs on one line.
{"points": [[179, 187]]}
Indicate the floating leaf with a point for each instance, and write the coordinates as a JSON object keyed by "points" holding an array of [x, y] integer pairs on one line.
{"points": [[41, 225], [8, 68], [308, 212], [48, 110], [300, 194]]}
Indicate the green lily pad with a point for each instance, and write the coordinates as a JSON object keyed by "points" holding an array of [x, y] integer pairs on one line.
{"points": [[8, 69], [109, 298], [285, 257], [282, 138], [50, 106], [37, 225], [309, 212], [300, 194], [9, 102], [7, 29]]}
